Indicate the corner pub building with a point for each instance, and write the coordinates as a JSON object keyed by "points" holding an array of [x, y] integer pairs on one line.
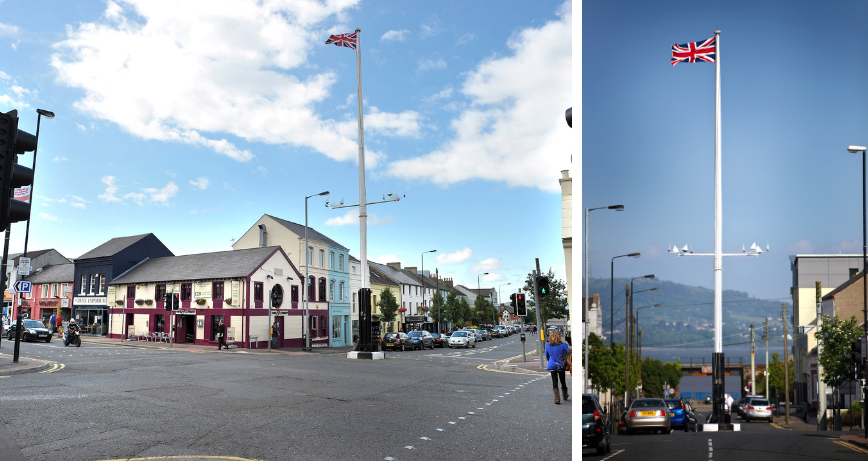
{"points": [[232, 286]]}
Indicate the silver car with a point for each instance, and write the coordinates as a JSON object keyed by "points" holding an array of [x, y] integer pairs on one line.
{"points": [[650, 414], [463, 339], [757, 409]]}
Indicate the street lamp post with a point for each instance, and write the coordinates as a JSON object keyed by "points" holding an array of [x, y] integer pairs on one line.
{"points": [[500, 294], [478, 289], [853, 150], [612, 299], [308, 258], [423, 276], [587, 276], [628, 346]]}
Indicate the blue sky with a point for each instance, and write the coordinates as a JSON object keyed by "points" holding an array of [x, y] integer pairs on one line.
{"points": [[794, 86], [191, 120]]}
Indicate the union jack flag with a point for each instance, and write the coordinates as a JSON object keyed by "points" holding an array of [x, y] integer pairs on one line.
{"points": [[347, 40], [693, 52]]}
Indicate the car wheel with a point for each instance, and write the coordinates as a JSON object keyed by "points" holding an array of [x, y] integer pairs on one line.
{"points": [[601, 448], [48, 340], [403, 348], [467, 345], [609, 445], [474, 345], [666, 431]]}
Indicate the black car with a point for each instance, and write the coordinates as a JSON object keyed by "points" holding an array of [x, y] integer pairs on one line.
{"points": [[397, 341], [439, 340], [421, 339], [595, 426], [33, 330]]}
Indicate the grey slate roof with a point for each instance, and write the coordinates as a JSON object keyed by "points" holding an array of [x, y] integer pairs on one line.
{"points": [[30, 254], [59, 273], [427, 282], [112, 246], [396, 274], [298, 229], [376, 278], [223, 264]]}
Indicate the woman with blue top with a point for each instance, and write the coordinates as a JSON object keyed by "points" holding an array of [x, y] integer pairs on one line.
{"points": [[556, 353]]}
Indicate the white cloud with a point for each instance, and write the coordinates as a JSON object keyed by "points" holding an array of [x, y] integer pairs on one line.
{"points": [[446, 93], [138, 197], [389, 258], [352, 218], [78, 205], [390, 124], [110, 190], [60, 159], [466, 38], [201, 183], [513, 130], [431, 27], [397, 35], [490, 264], [351, 98], [455, 258], [162, 195], [227, 58], [433, 63], [8, 29], [228, 186], [493, 278], [48, 217], [80, 127]]}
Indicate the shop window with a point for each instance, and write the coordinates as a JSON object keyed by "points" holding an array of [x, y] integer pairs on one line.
{"points": [[336, 327], [294, 293], [215, 322]]}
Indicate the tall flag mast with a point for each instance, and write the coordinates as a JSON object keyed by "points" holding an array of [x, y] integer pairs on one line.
{"points": [[709, 51]]}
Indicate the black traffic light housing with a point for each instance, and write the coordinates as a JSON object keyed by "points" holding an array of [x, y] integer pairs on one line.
{"points": [[512, 302], [176, 301], [12, 143], [521, 308], [276, 297], [542, 284], [167, 301], [856, 359]]}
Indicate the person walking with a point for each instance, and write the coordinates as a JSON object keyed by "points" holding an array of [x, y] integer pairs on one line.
{"points": [[52, 324], [221, 336], [556, 352], [274, 329]]}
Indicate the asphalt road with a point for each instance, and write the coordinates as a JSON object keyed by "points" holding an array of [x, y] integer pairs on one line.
{"points": [[757, 441], [114, 402]]}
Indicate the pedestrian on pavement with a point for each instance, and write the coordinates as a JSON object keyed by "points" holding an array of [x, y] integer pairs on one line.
{"points": [[728, 400], [221, 336], [556, 352], [52, 324], [274, 329]]}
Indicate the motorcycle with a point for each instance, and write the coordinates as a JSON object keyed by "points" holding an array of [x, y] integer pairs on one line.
{"points": [[72, 339]]}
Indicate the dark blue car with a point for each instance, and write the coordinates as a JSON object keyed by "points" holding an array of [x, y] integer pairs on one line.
{"points": [[681, 416]]}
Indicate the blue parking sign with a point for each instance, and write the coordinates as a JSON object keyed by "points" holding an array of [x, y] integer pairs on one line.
{"points": [[23, 286]]}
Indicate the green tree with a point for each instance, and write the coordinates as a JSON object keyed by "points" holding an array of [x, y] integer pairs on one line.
{"points": [[606, 365], [554, 305], [656, 373], [836, 336], [481, 305], [776, 379], [438, 312], [453, 308], [388, 305], [467, 313]]}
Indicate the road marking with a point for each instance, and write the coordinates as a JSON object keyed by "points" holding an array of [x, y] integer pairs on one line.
{"points": [[710, 449], [424, 438], [850, 446], [612, 455], [54, 367], [152, 458]]}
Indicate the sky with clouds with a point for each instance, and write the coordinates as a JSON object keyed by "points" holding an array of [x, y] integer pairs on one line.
{"points": [[788, 116], [191, 119]]}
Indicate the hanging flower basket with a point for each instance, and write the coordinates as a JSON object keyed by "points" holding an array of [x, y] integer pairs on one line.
{"points": [[140, 301], [119, 302], [200, 301], [402, 309], [229, 301], [149, 301]]}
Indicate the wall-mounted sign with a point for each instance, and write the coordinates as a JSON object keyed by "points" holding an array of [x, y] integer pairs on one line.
{"points": [[64, 303], [202, 290], [89, 301], [186, 312], [415, 318], [236, 292], [47, 303], [24, 266]]}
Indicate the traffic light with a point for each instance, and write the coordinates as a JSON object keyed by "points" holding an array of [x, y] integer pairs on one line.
{"points": [[512, 302], [276, 297], [176, 301], [543, 284], [521, 308], [167, 302], [13, 142]]}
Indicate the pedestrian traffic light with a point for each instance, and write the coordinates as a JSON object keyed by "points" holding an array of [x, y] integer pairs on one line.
{"points": [[542, 284], [176, 301], [167, 301], [521, 308], [512, 302], [12, 143]]}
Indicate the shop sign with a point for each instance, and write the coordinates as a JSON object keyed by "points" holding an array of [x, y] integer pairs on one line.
{"points": [[236, 292], [88, 301], [415, 318], [47, 303], [202, 290], [186, 312], [64, 303]]}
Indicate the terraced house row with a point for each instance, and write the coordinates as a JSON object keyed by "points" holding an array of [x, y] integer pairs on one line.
{"points": [[118, 289]]}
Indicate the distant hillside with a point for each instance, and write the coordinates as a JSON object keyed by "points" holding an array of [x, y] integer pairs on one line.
{"points": [[686, 318]]}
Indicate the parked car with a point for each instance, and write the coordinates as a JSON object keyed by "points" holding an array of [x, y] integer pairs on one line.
{"points": [[463, 339], [421, 339], [439, 340], [396, 341], [708, 400], [650, 414], [681, 415], [486, 335], [736, 407], [595, 426], [502, 331], [758, 408], [33, 330], [479, 336]]}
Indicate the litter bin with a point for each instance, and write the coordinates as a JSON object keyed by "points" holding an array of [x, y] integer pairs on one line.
{"points": [[252, 344]]}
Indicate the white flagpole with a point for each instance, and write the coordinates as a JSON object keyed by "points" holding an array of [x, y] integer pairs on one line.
{"points": [[718, 205], [363, 214]]}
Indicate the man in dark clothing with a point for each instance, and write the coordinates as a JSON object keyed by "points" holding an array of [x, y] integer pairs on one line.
{"points": [[221, 336]]}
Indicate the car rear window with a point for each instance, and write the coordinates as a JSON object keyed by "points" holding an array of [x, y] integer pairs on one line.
{"points": [[391, 335], [759, 403], [646, 403], [675, 405], [414, 333], [588, 406]]}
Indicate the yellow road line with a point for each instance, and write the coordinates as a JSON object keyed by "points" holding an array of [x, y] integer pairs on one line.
{"points": [[850, 446], [151, 458]]}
